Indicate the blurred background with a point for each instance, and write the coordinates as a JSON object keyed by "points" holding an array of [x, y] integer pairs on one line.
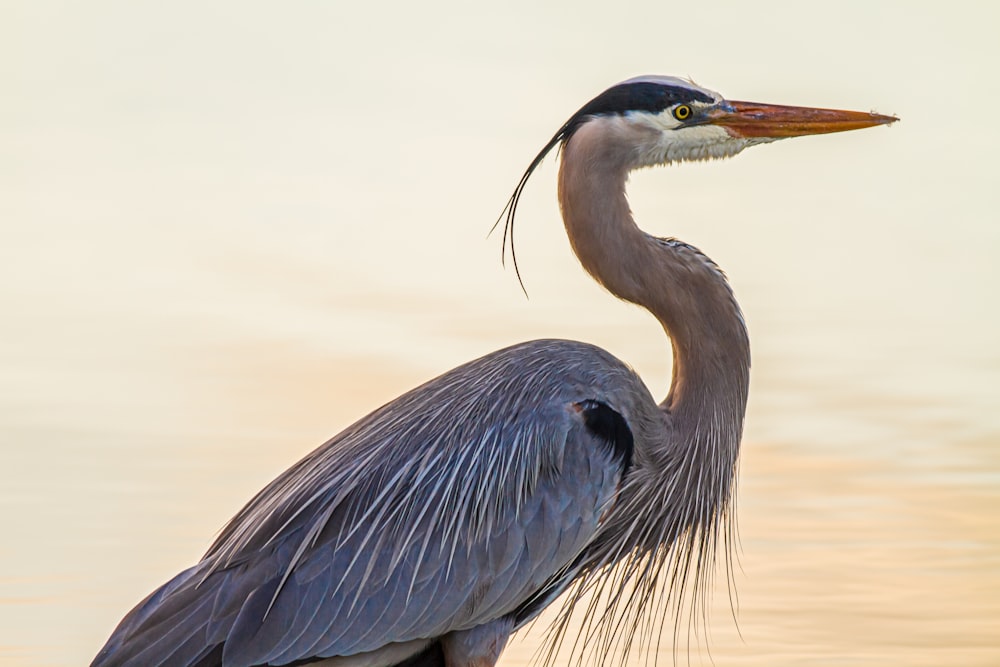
{"points": [[229, 229]]}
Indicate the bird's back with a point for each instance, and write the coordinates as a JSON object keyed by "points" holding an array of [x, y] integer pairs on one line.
{"points": [[464, 500]]}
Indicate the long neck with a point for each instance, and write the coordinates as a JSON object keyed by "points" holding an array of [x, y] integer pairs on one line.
{"points": [[673, 513], [680, 286]]}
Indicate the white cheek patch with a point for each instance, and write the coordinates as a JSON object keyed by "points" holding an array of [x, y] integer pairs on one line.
{"points": [[698, 142], [676, 143], [662, 122]]}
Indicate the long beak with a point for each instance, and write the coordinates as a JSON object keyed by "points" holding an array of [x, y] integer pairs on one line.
{"points": [[750, 119]]}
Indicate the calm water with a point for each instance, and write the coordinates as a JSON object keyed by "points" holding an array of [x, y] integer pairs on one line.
{"points": [[227, 233]]}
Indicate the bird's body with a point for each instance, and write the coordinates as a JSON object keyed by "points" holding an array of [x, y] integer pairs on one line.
{"points": [[427, 532], [447, 572]]}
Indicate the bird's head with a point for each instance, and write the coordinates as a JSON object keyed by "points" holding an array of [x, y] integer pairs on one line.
{"points": [[651, 120], [662, 119]]}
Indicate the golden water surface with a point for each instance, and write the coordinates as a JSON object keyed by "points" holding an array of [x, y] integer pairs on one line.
{"points": [[227, 230]]}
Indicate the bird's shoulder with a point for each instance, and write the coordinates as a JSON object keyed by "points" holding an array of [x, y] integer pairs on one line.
{"points": [[515, 400]]}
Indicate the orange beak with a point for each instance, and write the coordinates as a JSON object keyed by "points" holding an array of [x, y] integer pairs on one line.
{"points": [[753, 120]]}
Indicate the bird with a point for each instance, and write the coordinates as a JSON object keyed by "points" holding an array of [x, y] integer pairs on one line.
{"points": [[432, 529]]}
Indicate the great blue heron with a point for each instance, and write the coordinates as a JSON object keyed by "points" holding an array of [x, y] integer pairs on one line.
{"points": [[433, 528]]}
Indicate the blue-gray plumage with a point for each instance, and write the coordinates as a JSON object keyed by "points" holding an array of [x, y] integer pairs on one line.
{"points": [[433, 528]]}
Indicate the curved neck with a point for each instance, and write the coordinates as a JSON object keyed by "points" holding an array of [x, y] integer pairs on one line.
{"points": [[679, 285]]}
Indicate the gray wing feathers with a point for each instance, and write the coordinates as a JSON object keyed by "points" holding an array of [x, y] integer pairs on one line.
{"points": [[440, 511]]}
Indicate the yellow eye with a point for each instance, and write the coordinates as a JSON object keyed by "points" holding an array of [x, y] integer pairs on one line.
{"points": [[682, 112]]}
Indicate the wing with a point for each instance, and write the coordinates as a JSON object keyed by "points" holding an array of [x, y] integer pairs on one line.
{"points": [[463, 501]]}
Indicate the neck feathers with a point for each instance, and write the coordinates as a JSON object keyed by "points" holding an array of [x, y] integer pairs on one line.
{"points": [[674, 515], [678, 284]]}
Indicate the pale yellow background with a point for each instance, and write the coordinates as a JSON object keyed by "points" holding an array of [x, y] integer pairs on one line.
{"points": [[229, 229]]}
